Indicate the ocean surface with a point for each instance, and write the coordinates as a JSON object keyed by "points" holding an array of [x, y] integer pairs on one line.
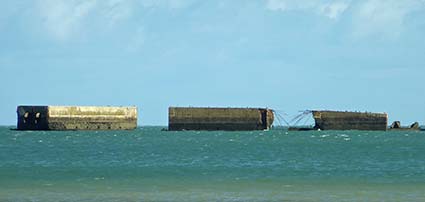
{"points": [[148, 164]]}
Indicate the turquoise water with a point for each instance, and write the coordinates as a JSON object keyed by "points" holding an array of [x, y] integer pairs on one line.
{"points": [[148, 164]]}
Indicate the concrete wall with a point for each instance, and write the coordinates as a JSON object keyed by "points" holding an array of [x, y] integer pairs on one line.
{"points": [[32, 118], [334, 120], [77, 118], [181, 118]]}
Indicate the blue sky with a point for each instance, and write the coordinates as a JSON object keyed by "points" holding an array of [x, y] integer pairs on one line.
{"points": [[363, 55]]}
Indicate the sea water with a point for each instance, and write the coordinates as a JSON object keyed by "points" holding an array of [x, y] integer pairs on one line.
{"points": [[148, 164]]}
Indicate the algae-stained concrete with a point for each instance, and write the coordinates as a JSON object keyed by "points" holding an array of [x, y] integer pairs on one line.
{"points": [[232, 119], [76, 118], [337, 120]]}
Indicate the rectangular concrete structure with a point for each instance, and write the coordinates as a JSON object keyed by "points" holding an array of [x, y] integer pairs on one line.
{"points": [[230, 119], [76, 118], [337, 120]]}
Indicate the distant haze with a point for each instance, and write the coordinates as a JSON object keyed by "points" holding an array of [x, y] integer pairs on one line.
{"points": [[365, 55]]}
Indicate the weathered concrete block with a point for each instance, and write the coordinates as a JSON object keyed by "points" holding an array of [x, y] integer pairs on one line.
{"points": [[76, 118], [190, 118], [336, 120]]}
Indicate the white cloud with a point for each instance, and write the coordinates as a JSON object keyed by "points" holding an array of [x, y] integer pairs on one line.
{"points": [[379, 17], [331, 9], [172, 4], [116, 10], [63, 17], [369, 17]]}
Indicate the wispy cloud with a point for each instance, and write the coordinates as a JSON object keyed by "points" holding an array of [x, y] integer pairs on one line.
{"points": [[330, 9], [368, 17], [62, 18], [172, 4], [117, 10], [379, 17], [333, 10]]}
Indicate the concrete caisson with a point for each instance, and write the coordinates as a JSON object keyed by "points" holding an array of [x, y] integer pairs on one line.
{"points": [[230, 119], [337, 120], [76, 118]]}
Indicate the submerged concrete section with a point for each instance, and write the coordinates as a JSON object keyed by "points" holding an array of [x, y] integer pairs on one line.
{"points": [[396, 126], [76, 118], [231, 119], [336, 120]]}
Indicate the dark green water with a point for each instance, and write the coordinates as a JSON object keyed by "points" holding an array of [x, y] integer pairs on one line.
{"points": [[148, 164]]}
